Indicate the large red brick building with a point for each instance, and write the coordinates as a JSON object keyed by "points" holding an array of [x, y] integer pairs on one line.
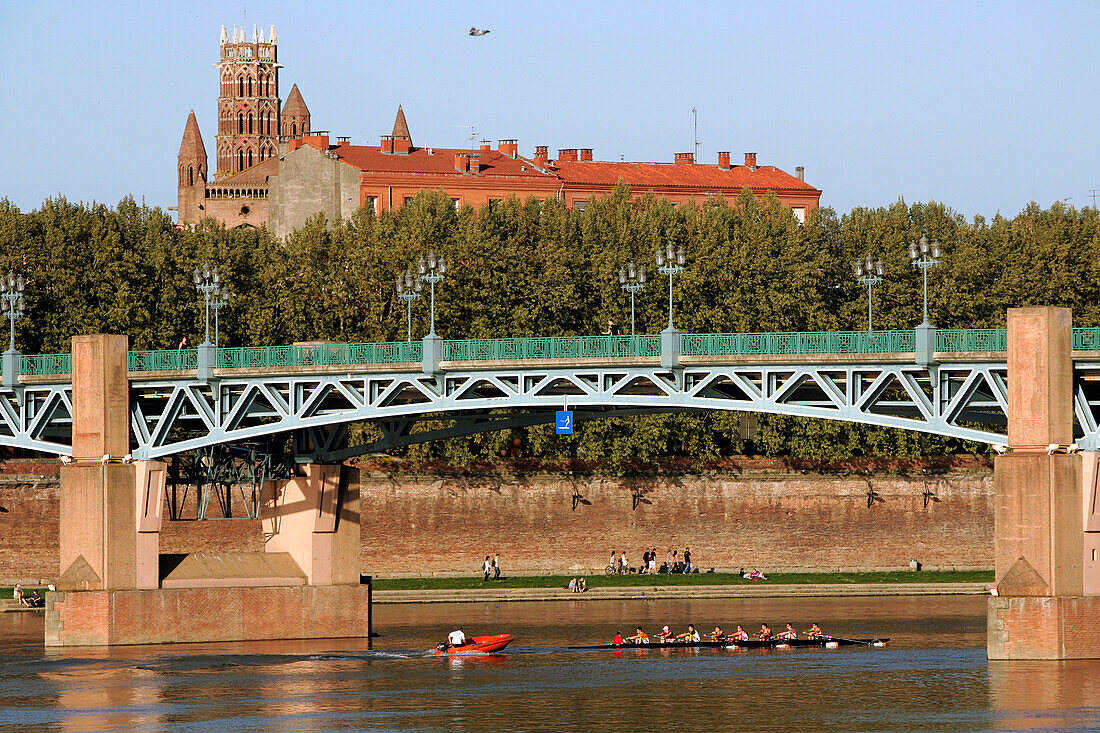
{"points": [[274, 169]]}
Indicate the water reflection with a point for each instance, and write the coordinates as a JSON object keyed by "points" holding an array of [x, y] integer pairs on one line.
{"points": [[933, 676]]}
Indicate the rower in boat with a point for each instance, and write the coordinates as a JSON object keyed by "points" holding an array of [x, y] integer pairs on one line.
{"points": [[640, 638], [740, 634], [717, 634], [618, 638], [690, 635], [787, 633], [664, 635], [765, 633], [814, 632]]}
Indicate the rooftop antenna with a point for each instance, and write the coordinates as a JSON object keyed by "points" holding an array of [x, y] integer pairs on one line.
{"points": [[695, 117], [1093, 192], [473, 134]]}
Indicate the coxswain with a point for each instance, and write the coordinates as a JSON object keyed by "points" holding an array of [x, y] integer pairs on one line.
{"points": [[690, 635], [640, 638], [787, 633], [740, 634], [815, 632], [665, 634], [717, 634], [456, 637], [765, 632], [618, 638]]}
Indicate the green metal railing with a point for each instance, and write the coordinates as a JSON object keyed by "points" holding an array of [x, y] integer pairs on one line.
{"points": [[971, 339], [400, 352], [162, 361], [819, 342], [46, 364], [555, 347], [562, 347]]}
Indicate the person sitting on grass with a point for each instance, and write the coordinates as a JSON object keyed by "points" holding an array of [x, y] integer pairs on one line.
{"points": [[581, 585], [573, 585], [33, 600]]}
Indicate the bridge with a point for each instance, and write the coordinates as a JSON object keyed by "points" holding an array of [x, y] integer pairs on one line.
{"points": [[187, 400]]}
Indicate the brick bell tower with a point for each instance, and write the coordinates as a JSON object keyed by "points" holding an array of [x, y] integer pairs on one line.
{"points": [[248, 106]]}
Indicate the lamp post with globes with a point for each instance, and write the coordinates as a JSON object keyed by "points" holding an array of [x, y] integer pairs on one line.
{"points": [[632, 280], [215, 295], [408, 289], [869, 272], [431, 269], [12, 305], [925, 255], [670, 262]]}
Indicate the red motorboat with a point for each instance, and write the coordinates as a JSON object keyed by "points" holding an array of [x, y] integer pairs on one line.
{"points": [[477, 645]]}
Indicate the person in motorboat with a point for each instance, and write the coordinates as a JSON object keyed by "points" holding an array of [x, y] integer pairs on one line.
{"points": [[815, 632], [690, 635], [717, 634], [618, 639], [787, 633], [740, 634], [640, 638], [665, 634], [457, 638], [765, 633]]}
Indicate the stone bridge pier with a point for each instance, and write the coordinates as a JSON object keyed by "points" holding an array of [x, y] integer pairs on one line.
{"points": [[1047, 533], [114, 586]]}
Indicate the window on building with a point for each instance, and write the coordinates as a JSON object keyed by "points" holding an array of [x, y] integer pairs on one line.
{"points": [[456, 203], [494, 204], [293, 128], [799, 214], [579, 205], [249, 123], [190, 176], [372, 202], [240, 86], [240, 124], [249, 158], [408, 200], [240, 160]]}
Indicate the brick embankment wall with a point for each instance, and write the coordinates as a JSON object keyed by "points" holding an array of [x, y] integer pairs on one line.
{"points": [[764, 516], [446, 525]]}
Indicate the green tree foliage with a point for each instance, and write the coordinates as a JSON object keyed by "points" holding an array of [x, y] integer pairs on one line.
{"points": [[535, 268]]}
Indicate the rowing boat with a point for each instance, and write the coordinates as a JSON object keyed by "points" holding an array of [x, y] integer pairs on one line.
{"points": [[821, 642]]}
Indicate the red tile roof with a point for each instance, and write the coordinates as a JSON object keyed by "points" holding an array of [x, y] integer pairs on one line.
{"points": [[672, 175], [255, 176], [440, 162]]}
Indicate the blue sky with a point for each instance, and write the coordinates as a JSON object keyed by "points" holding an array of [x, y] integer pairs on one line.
{"points": [[984, 106]]}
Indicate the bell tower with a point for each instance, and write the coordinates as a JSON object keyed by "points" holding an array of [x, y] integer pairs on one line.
{"points": [[248, 105]]}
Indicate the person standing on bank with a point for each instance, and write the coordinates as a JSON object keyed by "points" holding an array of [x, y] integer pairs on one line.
{"points": [[487, 567], [496, 566], [687, 560]]}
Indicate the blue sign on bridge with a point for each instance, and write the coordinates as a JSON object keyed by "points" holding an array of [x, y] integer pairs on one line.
{"points": [[563, 422]]}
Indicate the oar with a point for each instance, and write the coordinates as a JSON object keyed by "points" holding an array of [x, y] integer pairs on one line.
{"points": [[851, 641]]}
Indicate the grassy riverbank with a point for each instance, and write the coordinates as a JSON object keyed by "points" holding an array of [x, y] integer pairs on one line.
{"points": [[626, 581]]}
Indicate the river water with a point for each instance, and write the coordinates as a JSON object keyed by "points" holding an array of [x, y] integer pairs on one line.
{"points": [[932, 676]]}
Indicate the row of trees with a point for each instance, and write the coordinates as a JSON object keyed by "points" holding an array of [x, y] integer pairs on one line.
{"points": [[527, 268]]}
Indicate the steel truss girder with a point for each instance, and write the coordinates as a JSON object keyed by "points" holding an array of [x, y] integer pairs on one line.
{"points": [[170, 417]]}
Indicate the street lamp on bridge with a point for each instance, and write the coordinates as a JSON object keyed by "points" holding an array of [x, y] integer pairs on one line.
{"points": [[632, 280], [432, 269], [925, 255], [670, 262], [208, 281], [408, 289], [13, 306], [870, 273]]}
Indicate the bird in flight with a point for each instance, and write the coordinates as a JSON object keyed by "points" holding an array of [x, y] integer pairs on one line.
{"points": [[477, 32]]}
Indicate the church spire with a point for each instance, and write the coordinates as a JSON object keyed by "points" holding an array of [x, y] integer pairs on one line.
{"points": [[191, 147], [400, 127], [295, 114]]}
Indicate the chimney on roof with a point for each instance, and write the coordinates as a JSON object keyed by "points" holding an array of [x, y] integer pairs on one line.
{"points": [[724, 160], [508, 147], [387, 144], [485, 146], [685, 158], [541, 155], [800, 173], [586, 154], [401, 145], [750, 160], [462, 161], [567, 154]]}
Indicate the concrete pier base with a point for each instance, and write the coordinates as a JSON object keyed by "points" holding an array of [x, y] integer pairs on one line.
{"points": [[172, 615], [1051, 627]]}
